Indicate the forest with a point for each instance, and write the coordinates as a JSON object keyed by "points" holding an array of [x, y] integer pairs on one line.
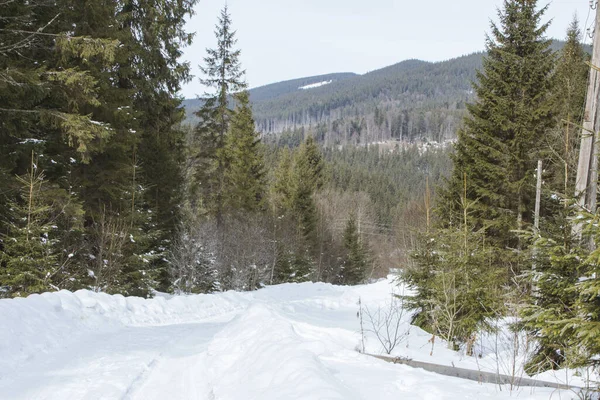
{"points": [[412, 101], [105, 186]]}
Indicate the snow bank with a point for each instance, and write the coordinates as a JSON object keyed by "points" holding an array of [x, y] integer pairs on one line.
{"points": [[40, 323], [269, 360]]}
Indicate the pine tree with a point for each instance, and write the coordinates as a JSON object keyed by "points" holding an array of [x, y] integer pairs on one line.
{"points": [[292, 265], [456, 290], [505, 128], [159, 36], [245, 176], [223, 73]]}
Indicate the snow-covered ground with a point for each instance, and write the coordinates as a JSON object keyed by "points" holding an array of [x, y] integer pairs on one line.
{"points": [[293, 341]]}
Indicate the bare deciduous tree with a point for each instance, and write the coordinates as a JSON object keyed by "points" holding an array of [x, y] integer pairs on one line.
{"points": [[385, 323]]}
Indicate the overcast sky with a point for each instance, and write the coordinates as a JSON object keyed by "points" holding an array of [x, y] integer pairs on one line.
{"points": [[287, 39]]}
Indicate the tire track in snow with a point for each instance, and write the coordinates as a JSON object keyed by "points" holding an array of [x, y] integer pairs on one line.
{"points": [[179, 370], [138, 381]]}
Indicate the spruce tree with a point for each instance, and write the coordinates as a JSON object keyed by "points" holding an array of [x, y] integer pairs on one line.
{"points": [[245, 176], [556, 254], [97, 99], [29, 253], [51, 91], [573, 329], [456, 291], [281, 188], [223, 74], [307, 178], [298, 176], [558, 267], [456, 284], [505, 127], [354, 268], [135, 183]]}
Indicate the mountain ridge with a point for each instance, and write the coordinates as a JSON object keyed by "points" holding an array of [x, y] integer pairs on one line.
{"points": [[410, 100]]}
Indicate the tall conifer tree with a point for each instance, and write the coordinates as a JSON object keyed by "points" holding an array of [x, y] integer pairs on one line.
{"points": [[97, 100], [501, 141], [223, 74], [354, 269], [245, 176], [308, 178]]}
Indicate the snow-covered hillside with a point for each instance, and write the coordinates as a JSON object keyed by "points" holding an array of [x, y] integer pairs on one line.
{"points": [[293, 341]]}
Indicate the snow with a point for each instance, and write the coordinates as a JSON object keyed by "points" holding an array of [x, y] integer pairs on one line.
{"points": [[292, 341], [31, 140], [315, 85]]}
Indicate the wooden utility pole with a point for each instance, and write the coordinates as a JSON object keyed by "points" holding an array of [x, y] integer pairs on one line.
{"points": [[587, 169], [427, 202], [538, 197]]}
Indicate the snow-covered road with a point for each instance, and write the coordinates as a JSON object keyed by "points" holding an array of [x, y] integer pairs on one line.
{"points": [[294, 341]]}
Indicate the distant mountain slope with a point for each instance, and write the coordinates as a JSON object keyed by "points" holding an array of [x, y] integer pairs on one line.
{"points": [[407, 101], [276, 90]]}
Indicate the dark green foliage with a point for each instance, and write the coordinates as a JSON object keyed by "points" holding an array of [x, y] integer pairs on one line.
{"points": [[506, 127], [392, 177], [475, 257], [456, 288], [564, 312], [557, 268], [245, 184], [292, 266], [307, 179], [568, 97], [298, 176], [224, 75], [92, 90], [557, 259], [29, 253], [585, 327], [356, 262], [296, 179]]}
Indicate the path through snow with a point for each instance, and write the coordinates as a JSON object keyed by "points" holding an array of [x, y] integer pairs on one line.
{"points": [[294, 341]]}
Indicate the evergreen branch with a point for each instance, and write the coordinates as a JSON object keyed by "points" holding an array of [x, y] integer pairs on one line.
{"points": [[28, 39], [14, 110], [32, 33]]}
